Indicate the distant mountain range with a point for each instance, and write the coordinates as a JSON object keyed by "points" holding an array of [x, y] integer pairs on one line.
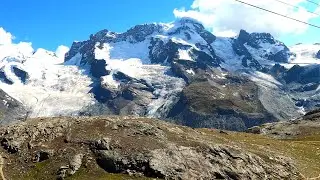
{"points": [[179, 72]]}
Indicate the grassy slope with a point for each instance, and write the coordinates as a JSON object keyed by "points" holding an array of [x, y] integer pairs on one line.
{"points": [[304, 150], [85, 173]]}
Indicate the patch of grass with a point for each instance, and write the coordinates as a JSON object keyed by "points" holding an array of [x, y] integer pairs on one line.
{"points": [[305, 152], [39, 171], [44, 171], [92, 171], [85, 174]]}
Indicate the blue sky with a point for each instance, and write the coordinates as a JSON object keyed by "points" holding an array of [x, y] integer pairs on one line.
{"points": [[312, 34], [49, 24]]}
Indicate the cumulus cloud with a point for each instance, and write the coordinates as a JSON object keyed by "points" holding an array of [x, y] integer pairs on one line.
{"points": [[25, 49], [10, 49], [227, 17], [5, 37], [61, 51]]}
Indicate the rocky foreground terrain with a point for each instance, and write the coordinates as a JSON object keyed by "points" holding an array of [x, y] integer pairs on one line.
{"points": [[142, 148], [307, 127]]}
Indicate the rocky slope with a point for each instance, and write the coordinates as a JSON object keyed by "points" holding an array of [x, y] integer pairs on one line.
{"points": [[141, 148], [11, 109], [177, 71], [307, 127]]}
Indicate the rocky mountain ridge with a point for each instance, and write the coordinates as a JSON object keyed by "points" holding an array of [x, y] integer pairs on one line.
{"points": [[178, 72]]}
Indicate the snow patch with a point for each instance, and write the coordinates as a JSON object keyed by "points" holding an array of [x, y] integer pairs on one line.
{"points": [[166, 87], [223, 49], [190, 71], [167, 90], [131, 67], [102, 52], [110, 81], [264, 79], [271, 48], [5, 103], [305, 54], [127, 50], [184, 54]]}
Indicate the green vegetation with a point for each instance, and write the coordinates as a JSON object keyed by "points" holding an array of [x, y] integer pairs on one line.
{"points": [[143, 134], [304, 151], [43, 171], [38, 171], [99, 174]]}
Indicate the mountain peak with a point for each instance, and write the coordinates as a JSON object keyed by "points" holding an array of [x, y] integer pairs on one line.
{"points": [[139, 33], [255, 38], [188, 20], [156, 62]]}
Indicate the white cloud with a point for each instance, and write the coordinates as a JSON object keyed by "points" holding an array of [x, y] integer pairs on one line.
{"points": [[227, 17], [61, 51], [23, 49], [5, 37], [10, 49]]}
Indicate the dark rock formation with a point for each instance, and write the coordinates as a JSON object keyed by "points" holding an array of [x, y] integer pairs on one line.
{"points": [[23, 75], [3, 78], [98, 68], [161, 52], [241, 50], [277, 70], [255, 40], [11, 110], [303, 74], [213, 104], [318, 54]]}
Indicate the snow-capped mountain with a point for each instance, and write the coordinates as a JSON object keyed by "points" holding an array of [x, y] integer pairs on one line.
{"points": [[40, 81], [177, 71]]}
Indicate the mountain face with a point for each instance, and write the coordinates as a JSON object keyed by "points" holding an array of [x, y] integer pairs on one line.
{"points": [[41, 83], [178, 71], [11, 109]]}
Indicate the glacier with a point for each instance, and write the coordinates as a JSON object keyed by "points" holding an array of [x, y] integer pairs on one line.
{"points": [[159, 61]]}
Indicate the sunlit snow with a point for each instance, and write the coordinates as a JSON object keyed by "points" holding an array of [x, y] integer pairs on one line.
{"points": [[305, 54], [52, 89], [166, 87], [184, 54]]}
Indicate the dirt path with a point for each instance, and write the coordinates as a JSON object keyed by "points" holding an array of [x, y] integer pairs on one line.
{"points": [[1, 167]]}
